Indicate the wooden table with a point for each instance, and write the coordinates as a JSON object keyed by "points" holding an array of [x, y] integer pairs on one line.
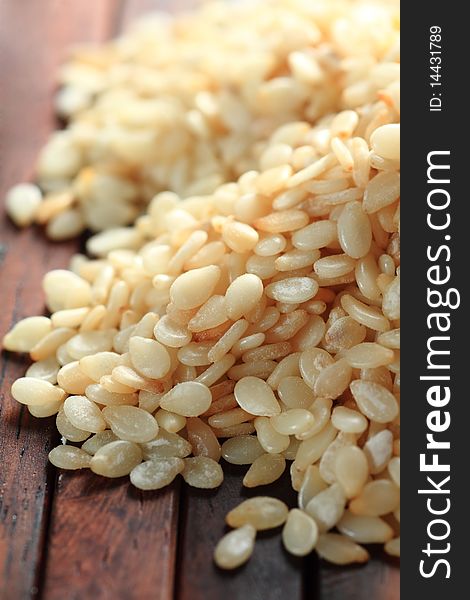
{"points": [[75, 536]]}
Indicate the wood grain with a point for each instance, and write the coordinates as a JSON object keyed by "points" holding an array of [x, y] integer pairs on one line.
{"points": [[110, 541], [378, 579], [33, 38], [107, 539], [203, 524]]}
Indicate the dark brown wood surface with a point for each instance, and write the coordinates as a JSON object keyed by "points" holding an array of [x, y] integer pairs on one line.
{"points": [[33, 38], [109, 540], [202, 525], [378, 580], [76, 536]]}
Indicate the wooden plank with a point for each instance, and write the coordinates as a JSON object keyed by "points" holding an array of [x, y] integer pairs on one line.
{"points": [[379, 579], [270, 573], [110, 541], [33, 36], [107, 539]]}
